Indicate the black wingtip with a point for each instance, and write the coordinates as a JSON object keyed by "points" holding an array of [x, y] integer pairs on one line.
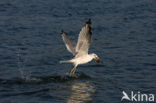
{"points": [[62, 31], [89, 21]]}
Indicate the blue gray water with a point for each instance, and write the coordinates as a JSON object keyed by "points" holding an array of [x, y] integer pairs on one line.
{"points": [[124, 37]]}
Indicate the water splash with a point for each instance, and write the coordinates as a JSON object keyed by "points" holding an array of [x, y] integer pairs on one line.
{"points": [[25, 75]]}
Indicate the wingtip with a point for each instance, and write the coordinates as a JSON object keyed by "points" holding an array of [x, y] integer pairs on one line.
{"points": [[62, 31], [89, 21]]}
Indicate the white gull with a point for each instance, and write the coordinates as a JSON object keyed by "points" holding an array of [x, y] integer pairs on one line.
{"points": [[80, 50]]}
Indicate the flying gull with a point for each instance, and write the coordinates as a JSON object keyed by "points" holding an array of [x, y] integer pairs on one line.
{"points": [[80, 50]]}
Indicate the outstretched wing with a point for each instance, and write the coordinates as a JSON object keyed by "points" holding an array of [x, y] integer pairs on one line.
{"points": [[69, 43], [84, 39]]}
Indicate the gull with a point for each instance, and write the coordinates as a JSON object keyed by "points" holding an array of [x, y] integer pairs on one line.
{"points": [[80, 50]]}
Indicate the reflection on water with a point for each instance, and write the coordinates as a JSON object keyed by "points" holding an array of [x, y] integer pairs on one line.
{"points": [[81, 92]]}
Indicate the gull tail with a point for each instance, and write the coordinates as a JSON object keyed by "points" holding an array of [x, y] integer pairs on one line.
{"points": [[68, 61]]}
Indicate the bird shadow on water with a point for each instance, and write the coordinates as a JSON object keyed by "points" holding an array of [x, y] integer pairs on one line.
{"points": [[81, 92], [78, 87], [46, 79]]}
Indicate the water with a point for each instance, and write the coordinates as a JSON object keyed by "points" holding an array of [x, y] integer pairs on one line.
{"points": [[31, 48]]}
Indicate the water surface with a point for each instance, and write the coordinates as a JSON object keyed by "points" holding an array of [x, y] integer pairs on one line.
{"points": [[31, 48]]}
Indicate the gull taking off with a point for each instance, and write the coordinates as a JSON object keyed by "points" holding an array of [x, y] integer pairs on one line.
{"points": [[80, 50]]}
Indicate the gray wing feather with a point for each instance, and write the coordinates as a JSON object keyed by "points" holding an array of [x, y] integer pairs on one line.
{"points": [[84, 39], [69, 43]]}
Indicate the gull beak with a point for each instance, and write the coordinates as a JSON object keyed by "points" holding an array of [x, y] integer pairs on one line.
{"points": [[97, 59]]}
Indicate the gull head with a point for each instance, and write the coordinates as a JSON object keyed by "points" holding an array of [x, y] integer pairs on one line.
{"points": [[96, 57]]}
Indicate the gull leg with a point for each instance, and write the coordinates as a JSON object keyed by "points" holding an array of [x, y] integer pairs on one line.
{"points": [[72, 71]]}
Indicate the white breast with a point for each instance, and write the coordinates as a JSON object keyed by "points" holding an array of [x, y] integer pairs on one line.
{"points": [[82, 60]]}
